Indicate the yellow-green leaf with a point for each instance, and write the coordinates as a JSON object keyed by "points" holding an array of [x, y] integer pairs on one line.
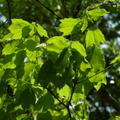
{"points": [[94, 36]]}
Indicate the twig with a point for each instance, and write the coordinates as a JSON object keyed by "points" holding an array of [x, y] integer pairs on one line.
{"points": [[66, 106], [1, 45], [48, 9], [3, 23], [64, 8], [73, 89], [99, 4], [50, 91], [95, 74], [9, 11], [109, 99]]}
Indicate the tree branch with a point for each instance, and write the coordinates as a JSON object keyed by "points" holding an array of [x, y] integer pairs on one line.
{"points": [[3, 23], [48, 9], [73, 89], [66, 106], [95, 74], [9, 11], [99, 4], [109, 99], [51, 92]]}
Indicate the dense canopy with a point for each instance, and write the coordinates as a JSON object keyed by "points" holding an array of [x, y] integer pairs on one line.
{"points": [[59, 60]]}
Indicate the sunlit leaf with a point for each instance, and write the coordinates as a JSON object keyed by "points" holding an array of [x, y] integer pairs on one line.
{"points": [[96, 13], [81, 90], [94, 36], [97, 78], [63, 94], [70, 26], [28, 67], [84, 65], [85, 24], [77, 46], [60, 115], [116, 59], [57, 44], [10, 48], [8, 61], [20, 28], [41, 31]]}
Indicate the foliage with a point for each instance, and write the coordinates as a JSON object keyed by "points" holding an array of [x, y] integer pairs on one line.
{"points": [[49, 76]]}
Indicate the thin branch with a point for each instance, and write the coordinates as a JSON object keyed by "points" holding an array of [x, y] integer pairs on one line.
{"points": [[66, 106], [48, 9], [3, 23], [99, 4], [78, 7], [96, 74], [9, 11], [73, 89], [1, 45], [64, 8], [109, 99], [50, 91]]}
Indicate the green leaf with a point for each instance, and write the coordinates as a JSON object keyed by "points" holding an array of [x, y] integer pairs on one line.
{"points": [[1, 73], [30, 45], [97, 78], [31, 55], [70, 26], [20, 28], [28, 68], [64, 92], [60, 115], [41, 31], [8, 61], [63, 60], [116, 59], [20, 57], [67, 75], [81, 90], [56, 44], [47, 73], [25, 31], [44, 116], [94, 36], [77, 46], [27, 98], [96, 13], [20, 71], [8, 36], [56, 38], [85, 24], [9, 48], [111, 0], [84, 66], [43, 102], [96, 58]]}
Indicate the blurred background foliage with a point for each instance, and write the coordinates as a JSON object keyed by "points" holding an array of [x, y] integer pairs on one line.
{"points": [[33, 11]]}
